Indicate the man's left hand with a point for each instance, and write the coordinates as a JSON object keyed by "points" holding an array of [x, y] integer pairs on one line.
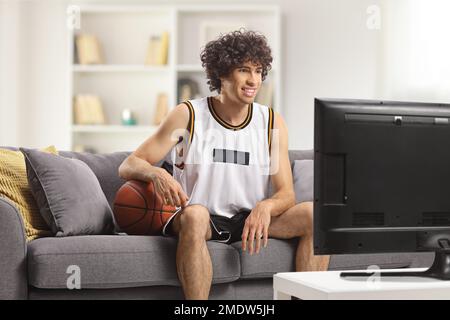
{"points": [[256, 227]]}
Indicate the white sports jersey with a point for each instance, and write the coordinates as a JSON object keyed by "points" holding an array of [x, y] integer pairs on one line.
{"points": [[220, 166]]}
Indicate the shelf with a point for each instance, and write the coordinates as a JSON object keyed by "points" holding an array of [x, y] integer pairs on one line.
{"points": [[119, 68], [189, 68], [112, 129], [129, 9]]}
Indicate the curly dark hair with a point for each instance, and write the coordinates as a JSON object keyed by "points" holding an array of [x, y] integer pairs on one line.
{"points": [[219, 57]]}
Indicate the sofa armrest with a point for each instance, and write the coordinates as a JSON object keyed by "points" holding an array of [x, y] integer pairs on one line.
{"points": [[13, 253]]}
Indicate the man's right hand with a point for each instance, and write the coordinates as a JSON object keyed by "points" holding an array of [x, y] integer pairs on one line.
{"points": [[168, 188], [140, 164]]}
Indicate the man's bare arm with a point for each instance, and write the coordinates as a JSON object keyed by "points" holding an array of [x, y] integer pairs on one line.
{"points": [[140, 164], [284, 195], [258, 221]]}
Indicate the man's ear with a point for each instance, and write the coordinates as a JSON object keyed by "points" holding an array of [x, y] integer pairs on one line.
{"points": [[221, 82]]}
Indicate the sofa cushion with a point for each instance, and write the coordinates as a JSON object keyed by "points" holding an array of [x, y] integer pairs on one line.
{"points": [[278, 256], [118, 261], [105, 167], [300, 155], [14, 186], [303, 175], [68, 195]]}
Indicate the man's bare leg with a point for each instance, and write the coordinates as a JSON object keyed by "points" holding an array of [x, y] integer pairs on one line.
{"points": [[298, 222], [194, 264]]}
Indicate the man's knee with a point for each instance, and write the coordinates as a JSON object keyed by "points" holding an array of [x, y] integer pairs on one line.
{"points": [[193, 219], [297, 221], [194, 216], [300, 219], [306, 214]]}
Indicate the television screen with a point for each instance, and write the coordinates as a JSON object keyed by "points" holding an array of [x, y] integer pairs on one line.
{"points": [[381, 177]]}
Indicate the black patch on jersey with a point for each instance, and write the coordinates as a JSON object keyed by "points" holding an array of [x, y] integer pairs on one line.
{"points": [[231, 156]]}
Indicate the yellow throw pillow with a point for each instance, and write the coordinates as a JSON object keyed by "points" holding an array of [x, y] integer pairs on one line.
{"points": [[14, 186]]}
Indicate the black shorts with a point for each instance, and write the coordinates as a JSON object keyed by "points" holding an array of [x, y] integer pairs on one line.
{"points": [[223, 229], [228, 230]]}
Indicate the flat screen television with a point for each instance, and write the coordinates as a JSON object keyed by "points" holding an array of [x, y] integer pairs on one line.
{"points": [[382, 179]]}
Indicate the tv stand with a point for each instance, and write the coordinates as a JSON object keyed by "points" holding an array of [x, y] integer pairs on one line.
{"points": [[440, 269]]}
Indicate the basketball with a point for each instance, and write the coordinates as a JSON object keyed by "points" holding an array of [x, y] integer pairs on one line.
{"points": [[139, 210]]}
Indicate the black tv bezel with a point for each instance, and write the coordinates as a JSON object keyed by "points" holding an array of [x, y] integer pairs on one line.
{"points": [[403, 240]]}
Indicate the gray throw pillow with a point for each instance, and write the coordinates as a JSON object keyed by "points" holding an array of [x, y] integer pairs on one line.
{"points": [[303, 173], [68, 194]]}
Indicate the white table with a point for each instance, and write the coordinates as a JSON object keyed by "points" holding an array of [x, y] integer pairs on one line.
{"points": [[330, 286]]}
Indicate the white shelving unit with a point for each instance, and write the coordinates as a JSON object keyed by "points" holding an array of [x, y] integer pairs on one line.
{"points": [[112, 129], [125, 82]]}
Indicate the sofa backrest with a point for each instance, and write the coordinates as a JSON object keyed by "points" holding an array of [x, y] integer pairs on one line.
{"points": [[300, 155], [106, 166]]}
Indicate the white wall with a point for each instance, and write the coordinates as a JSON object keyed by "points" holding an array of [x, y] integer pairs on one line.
{"points": [[416, 51], [34, 83], [44, 68], [9, 69], [327, 50]]}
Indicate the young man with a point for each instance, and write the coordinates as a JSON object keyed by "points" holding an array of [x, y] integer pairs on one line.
{"points": [[221, 146]]}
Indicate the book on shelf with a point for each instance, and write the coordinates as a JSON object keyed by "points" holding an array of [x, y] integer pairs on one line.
{"points": [[163, 52], [265, 94], [88, 109], [88, 49], [187, 89], [158, 49], [162, 106]]}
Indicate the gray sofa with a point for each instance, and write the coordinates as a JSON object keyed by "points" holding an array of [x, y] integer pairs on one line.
{"points": [[143, 267]]}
